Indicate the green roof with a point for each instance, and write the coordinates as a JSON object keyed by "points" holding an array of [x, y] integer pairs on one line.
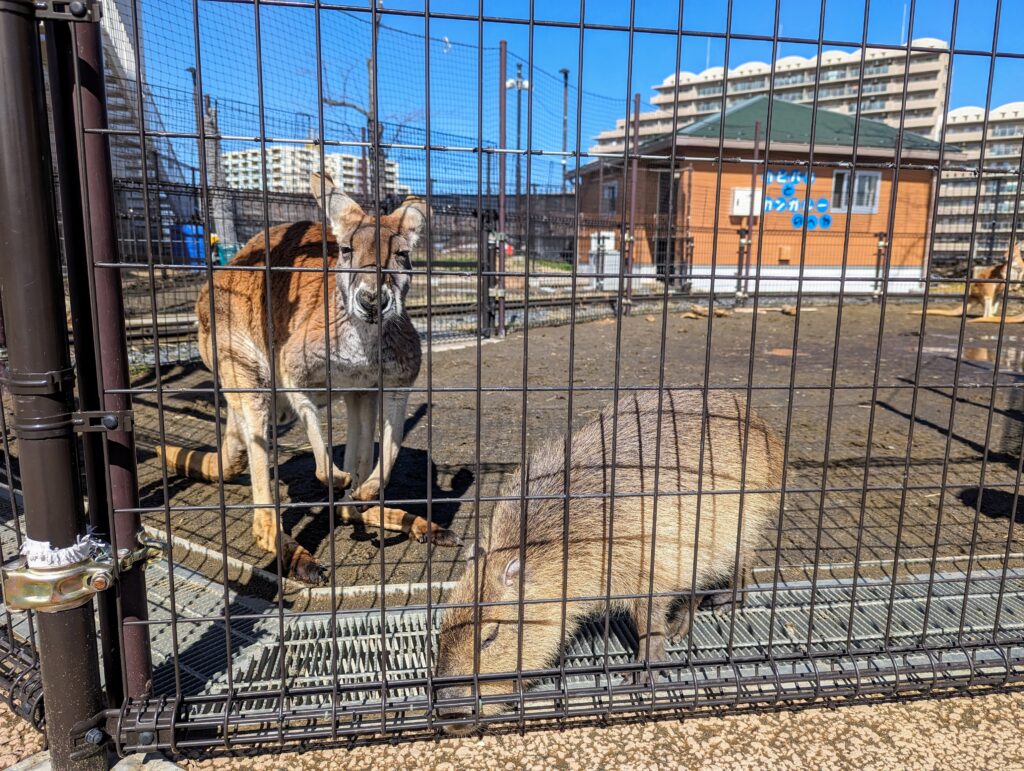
{"points": [[791, 124]]}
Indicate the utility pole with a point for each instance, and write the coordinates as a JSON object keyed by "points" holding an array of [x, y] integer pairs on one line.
{"points": [[565, 127], [374, 129], [520, 85]]}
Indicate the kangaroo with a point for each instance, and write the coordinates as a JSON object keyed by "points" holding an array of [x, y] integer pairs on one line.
{"points": [[490, 585], [1016, 262], [364, 330], [986, 289]]}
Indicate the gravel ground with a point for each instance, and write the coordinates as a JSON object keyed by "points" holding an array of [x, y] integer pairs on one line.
{"points": [[982, 732], [18, 739]]}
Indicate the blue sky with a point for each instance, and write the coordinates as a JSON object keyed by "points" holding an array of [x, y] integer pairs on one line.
{"points": [[228, 35]]}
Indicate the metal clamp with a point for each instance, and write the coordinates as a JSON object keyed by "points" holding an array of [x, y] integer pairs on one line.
{"points": [[496, 292], [121, 420], [53, 589], [50, 590], [38, 383], [69, 10]]}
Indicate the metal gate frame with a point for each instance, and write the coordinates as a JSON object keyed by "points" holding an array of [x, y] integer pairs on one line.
{"points": [[82, 715]]}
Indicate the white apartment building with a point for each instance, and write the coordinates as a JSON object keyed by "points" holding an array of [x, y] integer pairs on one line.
{"points": [[288, 168], [837, 84], [1001, 139]]}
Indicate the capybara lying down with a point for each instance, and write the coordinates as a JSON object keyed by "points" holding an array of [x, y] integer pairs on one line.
{"points": [[630, 523]]}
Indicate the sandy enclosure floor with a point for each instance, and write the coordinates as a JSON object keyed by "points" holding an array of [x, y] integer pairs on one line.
{"points": [[464, 443]]}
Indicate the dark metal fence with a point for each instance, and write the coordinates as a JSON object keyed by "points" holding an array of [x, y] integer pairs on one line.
{"points": [[625, 433]]}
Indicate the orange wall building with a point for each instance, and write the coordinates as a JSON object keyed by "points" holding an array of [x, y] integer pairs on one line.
{"points": [[824, 212]]}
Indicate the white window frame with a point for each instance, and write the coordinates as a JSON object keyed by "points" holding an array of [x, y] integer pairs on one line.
{"points": [[844, 206]]}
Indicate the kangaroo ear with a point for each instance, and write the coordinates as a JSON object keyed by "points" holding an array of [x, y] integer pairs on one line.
{"points": [[511, 574], [343, 214], [408, 218]]}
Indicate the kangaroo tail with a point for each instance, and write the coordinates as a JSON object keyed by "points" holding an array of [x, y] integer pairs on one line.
{"points": [[201, 464]]}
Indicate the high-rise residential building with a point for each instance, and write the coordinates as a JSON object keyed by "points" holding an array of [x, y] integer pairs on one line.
{"points": [[288, 168], [837, 83], [1001, 138]]}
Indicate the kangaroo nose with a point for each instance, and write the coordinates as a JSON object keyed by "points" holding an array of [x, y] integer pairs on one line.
{"points": [[385, 301], [367, 300]]}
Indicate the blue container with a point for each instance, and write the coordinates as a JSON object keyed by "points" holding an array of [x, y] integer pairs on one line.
{"points": [[188, 245]]}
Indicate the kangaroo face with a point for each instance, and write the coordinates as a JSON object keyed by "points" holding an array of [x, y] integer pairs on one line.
{"points": [[374, 255]]}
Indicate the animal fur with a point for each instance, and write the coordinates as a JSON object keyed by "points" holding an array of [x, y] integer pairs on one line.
{"points": [[630, 527], [364, 323]]}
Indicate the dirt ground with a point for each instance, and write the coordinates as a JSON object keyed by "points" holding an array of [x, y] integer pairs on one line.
{"points": [[463, 443]]}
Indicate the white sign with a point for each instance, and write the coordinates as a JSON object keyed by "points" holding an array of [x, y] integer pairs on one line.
{"points": [[602, 241], [741, 202]]}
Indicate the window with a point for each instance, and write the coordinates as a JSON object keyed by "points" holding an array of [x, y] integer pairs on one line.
{"points": [[747, 85], [1007, 130], [865, 192], [1004, 149], [790, 79], [610, 198]]}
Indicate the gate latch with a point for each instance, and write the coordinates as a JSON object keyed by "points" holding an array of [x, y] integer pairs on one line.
{"points": [[149, 550], [72, 575], [68, 10], [121, 420]]}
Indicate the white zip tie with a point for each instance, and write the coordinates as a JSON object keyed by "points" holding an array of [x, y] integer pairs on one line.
{"points": [[39, 554]]}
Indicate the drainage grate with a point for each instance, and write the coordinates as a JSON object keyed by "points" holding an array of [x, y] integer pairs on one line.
{"points": [[316, 673]]}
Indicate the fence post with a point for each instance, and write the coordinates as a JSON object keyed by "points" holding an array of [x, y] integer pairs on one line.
{"points": [[40, 381], [92, 196]]}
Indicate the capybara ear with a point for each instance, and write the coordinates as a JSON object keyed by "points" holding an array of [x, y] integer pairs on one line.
{"points": [[511, 574], [343, 213]]}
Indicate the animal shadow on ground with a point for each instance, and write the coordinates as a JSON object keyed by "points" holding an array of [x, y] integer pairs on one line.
{"points": [[994, 504], [414, 473]]}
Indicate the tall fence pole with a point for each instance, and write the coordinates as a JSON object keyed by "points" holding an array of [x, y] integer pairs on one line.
{"points": [[40, 380], [101, 244], [59, 57], [565, 130], [502, 71]]}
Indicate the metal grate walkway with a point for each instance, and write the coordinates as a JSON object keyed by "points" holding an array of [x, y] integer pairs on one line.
{"points": [[310, 670]]}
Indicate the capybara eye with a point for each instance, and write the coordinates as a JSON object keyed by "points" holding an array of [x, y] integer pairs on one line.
{"points": [[489, 636]]}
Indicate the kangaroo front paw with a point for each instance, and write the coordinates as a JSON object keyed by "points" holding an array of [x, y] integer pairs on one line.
{"points": [[341, 480], [367, 491]]}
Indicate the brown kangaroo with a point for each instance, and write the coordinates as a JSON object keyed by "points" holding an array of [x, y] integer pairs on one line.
{"points": [[364, 331], [986, 289]]}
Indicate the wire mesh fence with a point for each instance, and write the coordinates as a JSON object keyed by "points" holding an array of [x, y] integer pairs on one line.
{"points": [[452, 420]]}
